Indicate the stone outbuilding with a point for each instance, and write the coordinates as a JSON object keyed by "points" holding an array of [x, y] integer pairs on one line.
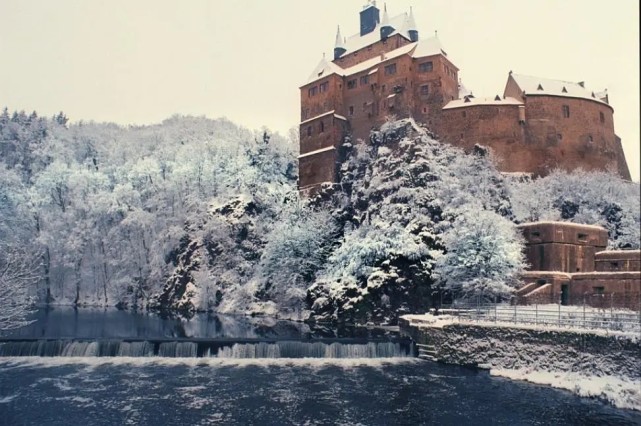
{"points": [[569, 265]]}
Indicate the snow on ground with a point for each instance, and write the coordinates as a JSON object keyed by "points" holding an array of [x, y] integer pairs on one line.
{"points": [[583, 373], [620, 391]]}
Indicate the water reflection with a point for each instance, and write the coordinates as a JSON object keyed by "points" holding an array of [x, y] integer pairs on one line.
{"points": [[69, 323]]}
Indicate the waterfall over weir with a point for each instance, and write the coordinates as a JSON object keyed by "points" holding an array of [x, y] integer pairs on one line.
{"points": [[206, 348]]}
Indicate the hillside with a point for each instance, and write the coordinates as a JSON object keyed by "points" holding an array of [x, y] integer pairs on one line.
{"points": [[197, 214]]}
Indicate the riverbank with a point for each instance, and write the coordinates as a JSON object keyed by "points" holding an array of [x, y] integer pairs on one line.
{"points": [[594, 363]]}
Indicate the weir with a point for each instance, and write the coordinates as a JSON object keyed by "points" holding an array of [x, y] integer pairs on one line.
{"points": [[208, 348]]}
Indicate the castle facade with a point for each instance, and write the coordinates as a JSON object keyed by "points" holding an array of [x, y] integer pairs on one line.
{"points": [[385, 70]]}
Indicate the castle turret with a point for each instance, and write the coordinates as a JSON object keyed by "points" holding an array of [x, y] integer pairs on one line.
{"points": [[339, 47], [411, 27], [386, 28], [370, 17]]}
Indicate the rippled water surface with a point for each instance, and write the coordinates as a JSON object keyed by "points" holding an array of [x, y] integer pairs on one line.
{"points": [[147, 391]]}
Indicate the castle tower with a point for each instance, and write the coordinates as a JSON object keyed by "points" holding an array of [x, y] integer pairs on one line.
{"points": [[339, 45], [411, 26], [386, 27], [370, 17]]}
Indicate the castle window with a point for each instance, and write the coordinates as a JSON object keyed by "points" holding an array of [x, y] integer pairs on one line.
{"points": [[309, 130], [312, 91], [424, 110], [322, 127], [324, 87], [566, 111], [464, 114], [598, 290], [364, 80], [559, 136], [602, 117], [426, 67], [425, 89], [590, 139], [390, 69], [351, 84], [351, 111]]}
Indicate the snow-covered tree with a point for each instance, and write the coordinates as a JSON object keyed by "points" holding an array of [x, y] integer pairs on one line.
{"points": [[483, 257], [583, 197], [19, 273]]}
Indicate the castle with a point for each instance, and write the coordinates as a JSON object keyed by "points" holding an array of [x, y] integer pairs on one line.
{"points": [[385, 70]]}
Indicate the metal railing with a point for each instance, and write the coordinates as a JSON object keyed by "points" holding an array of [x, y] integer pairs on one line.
{"points": [[584, 317]]}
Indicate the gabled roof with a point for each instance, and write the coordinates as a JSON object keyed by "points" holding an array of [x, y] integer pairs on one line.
{"points": [[323, 69], [544, 86], [422, 48], [428, 47]]}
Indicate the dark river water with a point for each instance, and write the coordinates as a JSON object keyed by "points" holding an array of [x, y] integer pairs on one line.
{"points": [[383, 387]]}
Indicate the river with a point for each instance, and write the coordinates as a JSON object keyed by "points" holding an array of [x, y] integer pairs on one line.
{"points": [[359, 376]]}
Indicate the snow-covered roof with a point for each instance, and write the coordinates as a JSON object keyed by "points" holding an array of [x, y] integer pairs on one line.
{"points": [[545, 86], [551, 222], [332, 112], [323, 69], [469, 101], [428, 47], [356, 42], [318, 151]]}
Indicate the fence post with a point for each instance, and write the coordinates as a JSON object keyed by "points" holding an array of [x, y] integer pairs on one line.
{"points": [[583, 309], [514, 313], [536, 314], [559, 314], [496, 319]]}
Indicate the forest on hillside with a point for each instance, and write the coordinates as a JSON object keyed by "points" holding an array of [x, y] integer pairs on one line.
{"points": [[199, 214]]}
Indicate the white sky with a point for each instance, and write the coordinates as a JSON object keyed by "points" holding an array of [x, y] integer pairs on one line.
{"points": [[142, 61]]}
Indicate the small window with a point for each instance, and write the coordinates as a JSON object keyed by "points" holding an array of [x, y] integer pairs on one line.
{"points": [[309, 130], [351, 84], [351, 111], [313, 91], [590, 138], [598, 290], [559, 136], [425, 89], [324, 87], [322, 127], [566, 111], [424, 110], [464, 113], [390, 69], [614, 265], [426, 67], [582, 237], [536, 234], [364, 80], [602, 117]]}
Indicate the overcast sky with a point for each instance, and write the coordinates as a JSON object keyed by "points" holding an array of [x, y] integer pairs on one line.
{"points": [[140, 61]]}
